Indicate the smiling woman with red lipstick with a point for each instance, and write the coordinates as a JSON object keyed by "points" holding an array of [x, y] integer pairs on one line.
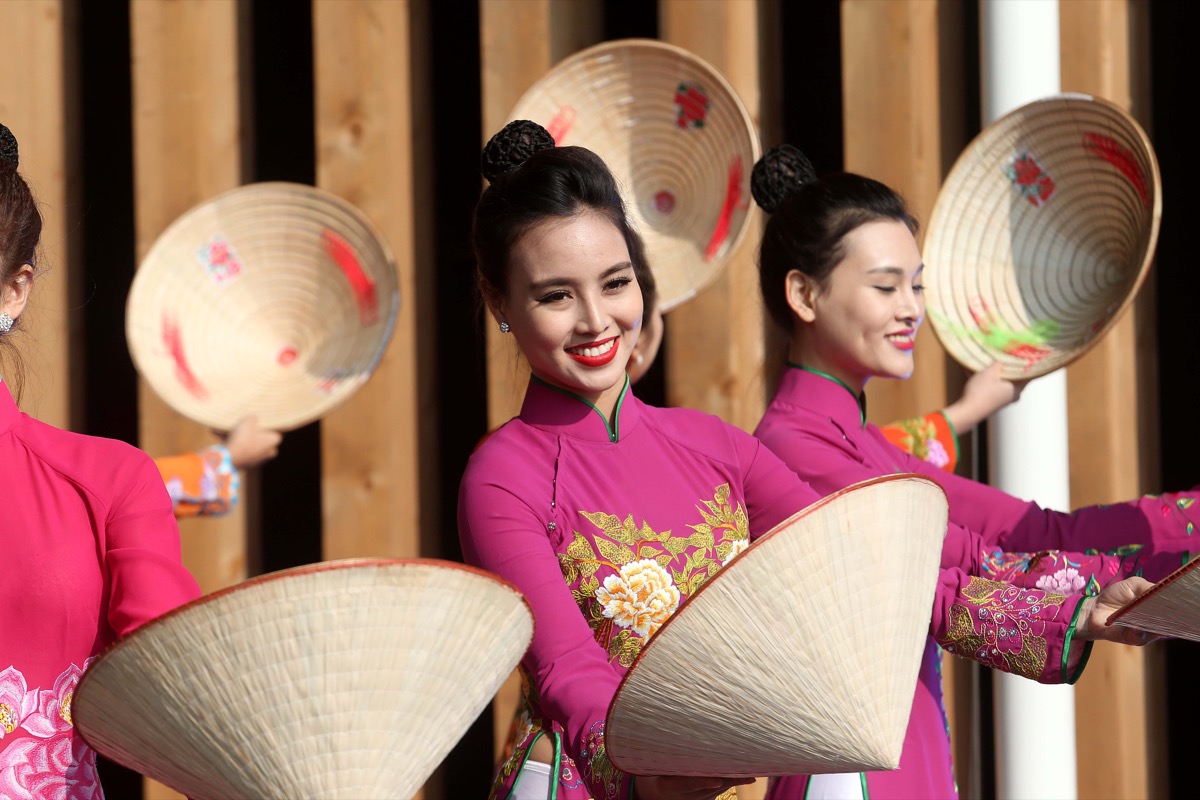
{"points": [[605, 512], [841, 273]]}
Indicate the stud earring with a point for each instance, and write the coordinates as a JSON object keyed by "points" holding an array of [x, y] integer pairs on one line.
{"points": [[6, 323], [504, 327]]}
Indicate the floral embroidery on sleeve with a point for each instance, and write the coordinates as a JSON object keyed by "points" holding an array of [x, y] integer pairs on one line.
{"points": [[597, 767], [204, 483], [929, 438], [1002, 626]]}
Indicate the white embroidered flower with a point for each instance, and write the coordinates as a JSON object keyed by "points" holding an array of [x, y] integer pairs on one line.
{"points": [[739, 546], [641, 597]]}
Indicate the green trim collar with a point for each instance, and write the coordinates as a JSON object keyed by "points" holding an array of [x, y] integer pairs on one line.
{"points": [[613, 432], [861, 399]]}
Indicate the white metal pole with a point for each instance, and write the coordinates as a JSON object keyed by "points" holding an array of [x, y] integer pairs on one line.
{"points": [[1019, 45]]}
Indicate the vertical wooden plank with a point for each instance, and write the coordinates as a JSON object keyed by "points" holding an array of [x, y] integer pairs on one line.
{"points": [[187, 85], [892, 78], [1120, 721], [38, 108], [519, 41], [715, 345], [371, 483], [899, 68]]}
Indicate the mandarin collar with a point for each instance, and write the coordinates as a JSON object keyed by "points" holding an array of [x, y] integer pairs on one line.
{"points": [[821, 392], [559, 411], [9, 413]]}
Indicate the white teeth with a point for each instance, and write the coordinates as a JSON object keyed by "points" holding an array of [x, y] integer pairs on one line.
{"points": [[592, 352]]}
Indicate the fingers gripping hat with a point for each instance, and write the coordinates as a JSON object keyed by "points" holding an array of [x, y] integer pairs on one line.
{"points": [[274, 299], [347, 679], [677, 138], [1042, 235]]}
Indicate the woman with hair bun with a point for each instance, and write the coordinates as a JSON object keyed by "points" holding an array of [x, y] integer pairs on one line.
{"points": [[607, 513], [841, 273], [89, 546]]}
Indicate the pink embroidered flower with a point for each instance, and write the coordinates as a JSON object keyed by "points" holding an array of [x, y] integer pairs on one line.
{"points": [[59, 768], [1065, 581], [936, 453], [642, 596], [53, 714], [16, 701]]}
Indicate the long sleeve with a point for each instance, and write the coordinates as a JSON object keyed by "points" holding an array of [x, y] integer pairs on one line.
{"points": [[1161, 524], [1028, 632], [773, 490], [204, 483], [574, 681], [142, 551]]}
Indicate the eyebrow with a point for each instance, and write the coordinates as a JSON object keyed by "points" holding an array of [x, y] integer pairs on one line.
{"points": [[552, 282], [897, 271]]}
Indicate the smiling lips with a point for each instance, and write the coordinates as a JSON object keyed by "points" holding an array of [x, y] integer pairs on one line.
{"points": [[902, 340], [595, 354]]}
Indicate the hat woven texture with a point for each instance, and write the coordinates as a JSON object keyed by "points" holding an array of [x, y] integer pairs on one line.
{"points": [[1041, 235], [273, 299], [348, 679], [801, 655], [678, 139]]}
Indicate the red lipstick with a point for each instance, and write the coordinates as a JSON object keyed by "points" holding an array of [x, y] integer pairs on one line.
{"points": [[599, 360]]}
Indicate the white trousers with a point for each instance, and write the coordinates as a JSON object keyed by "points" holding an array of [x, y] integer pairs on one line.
{"points": [[533, 783]]}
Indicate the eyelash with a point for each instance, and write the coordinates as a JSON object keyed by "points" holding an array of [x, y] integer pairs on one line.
{"points": [[917, 287], [613, 284]]}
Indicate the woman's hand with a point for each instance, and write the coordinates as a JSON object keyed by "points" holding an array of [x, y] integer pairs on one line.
{"points": [[249, 445], [985, 393], [1094, 617], [684, 787]]}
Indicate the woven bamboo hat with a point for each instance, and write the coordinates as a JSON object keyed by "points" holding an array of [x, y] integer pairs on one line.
{"points": [[800, 657], [274, 299], [347, 679], [1041, 235], [678, 139]]}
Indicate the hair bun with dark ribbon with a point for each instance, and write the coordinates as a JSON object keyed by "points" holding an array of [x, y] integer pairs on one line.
{"points": [[512, 146], [778, 175], [8, 146]]}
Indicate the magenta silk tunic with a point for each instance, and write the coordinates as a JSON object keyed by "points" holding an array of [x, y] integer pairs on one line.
{"points": [[817, 426], [90, 551], [606, 531]]}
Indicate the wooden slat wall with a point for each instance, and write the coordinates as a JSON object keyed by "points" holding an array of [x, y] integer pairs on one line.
{"points": [[520, 41], [187, 85], [39, 108], [715, 346], [901, 98], [371, 446], [1120, 716]]}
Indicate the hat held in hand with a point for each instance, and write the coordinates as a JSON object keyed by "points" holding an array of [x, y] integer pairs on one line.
{"points": [[346, 679], [801, 655], [1042, 235], [678, 140], [272, 299]]}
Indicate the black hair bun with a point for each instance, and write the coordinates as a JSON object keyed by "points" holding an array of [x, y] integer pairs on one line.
{"points": [[778, 175], [512, 146], [8, 146]]}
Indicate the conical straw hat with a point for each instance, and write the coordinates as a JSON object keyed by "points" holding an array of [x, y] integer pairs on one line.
{"points": [[800, 656], [678, 139], [345, 679], [274, 299], [1041, 235]]}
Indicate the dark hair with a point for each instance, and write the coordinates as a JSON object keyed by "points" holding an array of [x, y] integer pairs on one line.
{"points": [[810, 219], [20, 220], [531, 180]]}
